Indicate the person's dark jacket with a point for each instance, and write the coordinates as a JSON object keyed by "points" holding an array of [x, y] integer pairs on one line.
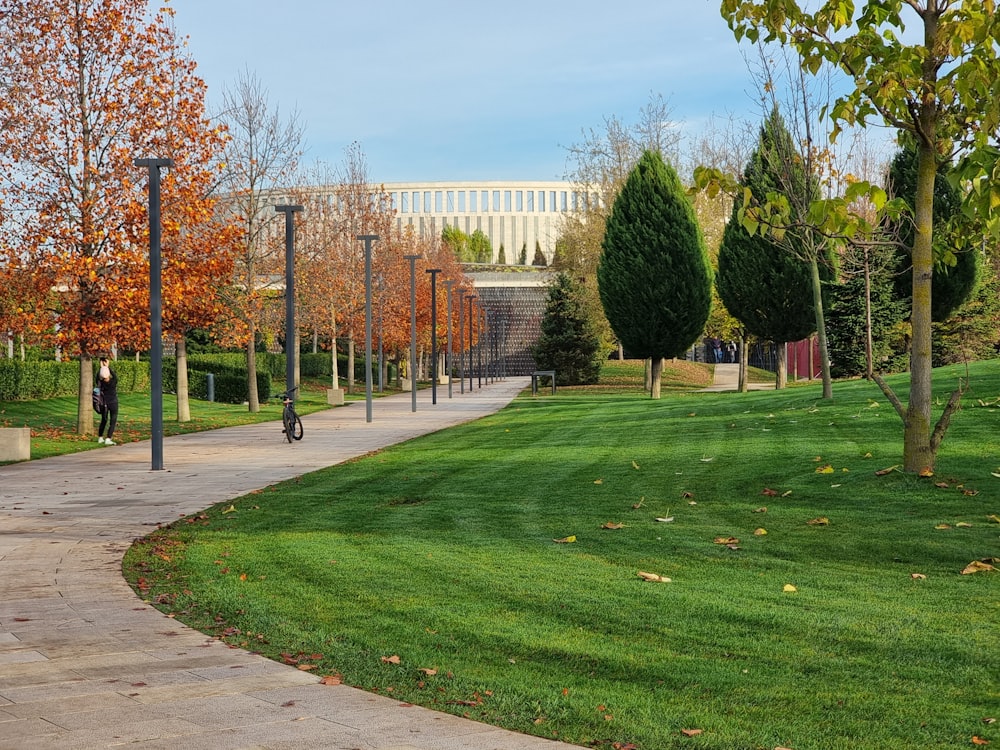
{"points": [[109, 391]]}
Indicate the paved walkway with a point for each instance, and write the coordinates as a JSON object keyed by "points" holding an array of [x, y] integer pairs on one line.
{"points": [[85, 664], [727, 378]]}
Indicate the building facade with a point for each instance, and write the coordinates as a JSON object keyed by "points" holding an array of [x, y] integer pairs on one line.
{"points": [[516, 215]]}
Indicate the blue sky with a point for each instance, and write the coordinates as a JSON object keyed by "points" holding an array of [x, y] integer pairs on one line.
{"points": [[444, 90]]}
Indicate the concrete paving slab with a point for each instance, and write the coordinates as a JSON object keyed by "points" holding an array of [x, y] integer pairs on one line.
{"points": [[86, 664]]}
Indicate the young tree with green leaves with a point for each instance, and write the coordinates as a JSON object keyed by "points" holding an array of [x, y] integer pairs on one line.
{"points": [[568, 343], [654, 275], [935, 88]]}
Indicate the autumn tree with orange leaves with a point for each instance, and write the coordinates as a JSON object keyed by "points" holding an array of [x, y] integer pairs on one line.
{"points": [[88, 86]]}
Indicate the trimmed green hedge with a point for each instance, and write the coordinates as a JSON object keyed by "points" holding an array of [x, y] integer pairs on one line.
{"points": [[28, 381]]}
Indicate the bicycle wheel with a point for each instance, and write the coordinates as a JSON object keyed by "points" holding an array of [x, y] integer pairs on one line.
{"points": [[296, 426], [287, 421]]}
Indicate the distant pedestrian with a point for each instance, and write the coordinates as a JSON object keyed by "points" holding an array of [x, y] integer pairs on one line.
{"points": [[731, 351], [717, 349], [107, 382]]}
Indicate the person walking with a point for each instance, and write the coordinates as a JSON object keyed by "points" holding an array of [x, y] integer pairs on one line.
{"points": [[107, 381]]}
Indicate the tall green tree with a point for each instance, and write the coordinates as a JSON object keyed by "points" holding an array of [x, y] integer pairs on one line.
{"points": [[935, 85], [762, 282], [480, 248], [654, 275], [568, 343]]}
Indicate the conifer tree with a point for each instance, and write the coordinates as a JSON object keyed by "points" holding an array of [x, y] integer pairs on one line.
{"points": [[568, 343], [654, 275]]}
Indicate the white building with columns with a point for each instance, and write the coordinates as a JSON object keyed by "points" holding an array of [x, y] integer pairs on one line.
{"points": [[513, 214]]}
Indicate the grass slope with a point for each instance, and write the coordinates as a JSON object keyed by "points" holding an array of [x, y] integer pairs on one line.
{"points": [[429, 571]]}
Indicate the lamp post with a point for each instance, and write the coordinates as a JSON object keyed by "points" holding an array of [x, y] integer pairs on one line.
{"points": [[434, 337], [155, 310], [471, 298], [449, 283], [368, 239], [413, 329], [461, 342], [481, 323], [289, 212]]}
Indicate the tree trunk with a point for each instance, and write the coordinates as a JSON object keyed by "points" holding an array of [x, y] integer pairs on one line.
{"points": [[648, 374], [333, 337], [183, 395], [350, 365], [84, 401], [744, 385], [655, 372], [824, 357], [253, 399], [781, 376], [917, 452]]}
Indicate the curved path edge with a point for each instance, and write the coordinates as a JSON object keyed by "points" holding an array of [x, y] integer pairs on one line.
{"points": [[86, 664]]}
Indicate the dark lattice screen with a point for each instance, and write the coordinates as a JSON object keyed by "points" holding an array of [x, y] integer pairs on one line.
{"points": [[515, 315]]}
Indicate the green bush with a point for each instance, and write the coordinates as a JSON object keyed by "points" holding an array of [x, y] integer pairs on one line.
{"points": [[27, 381]]}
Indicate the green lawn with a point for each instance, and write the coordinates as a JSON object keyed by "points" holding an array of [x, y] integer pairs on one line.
{"points": [[430, 571]]}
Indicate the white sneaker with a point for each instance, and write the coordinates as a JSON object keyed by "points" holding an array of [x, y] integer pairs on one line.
{"points": [[100, 440], [109, 441]]}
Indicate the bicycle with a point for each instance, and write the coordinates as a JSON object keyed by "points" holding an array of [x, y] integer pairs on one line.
{"points": [[292, 425]]}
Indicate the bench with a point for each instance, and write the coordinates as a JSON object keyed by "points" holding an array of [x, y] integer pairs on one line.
{"points": [[551, 374], [15, 443]]}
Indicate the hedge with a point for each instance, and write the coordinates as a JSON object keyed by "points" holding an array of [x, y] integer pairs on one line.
{"points": [[29, 381]]}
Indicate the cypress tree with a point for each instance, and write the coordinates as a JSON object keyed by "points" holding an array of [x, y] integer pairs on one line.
{"points": [[763, 284], [654, 275]]}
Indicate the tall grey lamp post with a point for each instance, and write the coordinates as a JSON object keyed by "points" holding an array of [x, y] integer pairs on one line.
{"points": [[368, 239], [434, 335], [471, 298], [449, 283], [413, 329], [289, 212], [461, 342], [155, 310], [481, 324]]}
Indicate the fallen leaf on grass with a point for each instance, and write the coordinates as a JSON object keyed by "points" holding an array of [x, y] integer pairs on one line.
{"points": [[943, 526], [925, 472], [653, 577], [825, 469], [963, 525], [887, 470], [691, 732], [821, 521], [977, 566], [762, 509], [598, 481], [332, 679], [666, 519], [993, 518], [769, 492], [391, 659], [789, 588], [979, 740], [635, 465], [565, 540], [726, 540], [429, 671], [759, 532], [306, 667], [230, 509], [613, 525], [918, 576]]}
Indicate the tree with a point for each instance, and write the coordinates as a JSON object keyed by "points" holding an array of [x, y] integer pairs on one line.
{"points": [[502, 255], [88, 86], [539, 259], [261, 157], [863, 313], [763, 282], [598, 166], [480, 248], [522, 259], [932, 89], [654, 277], [568, 343]]}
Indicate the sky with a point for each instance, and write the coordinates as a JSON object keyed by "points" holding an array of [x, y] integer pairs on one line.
{"points": [[449, 90]]}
